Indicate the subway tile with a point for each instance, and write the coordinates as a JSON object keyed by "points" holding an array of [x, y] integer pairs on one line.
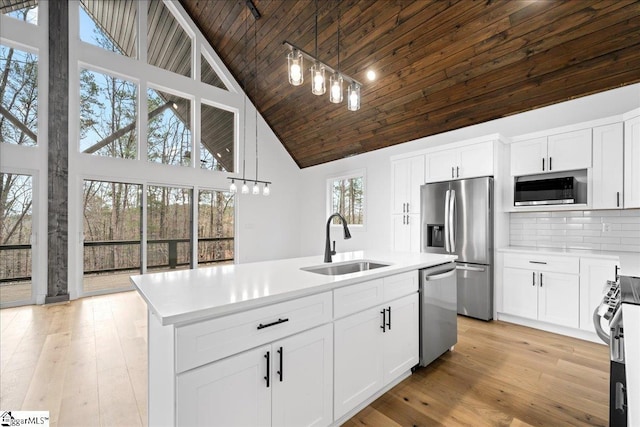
{"points": [[602, 240], [630, 212], [532, 214], [630, 241], [567, 239], [552, 220], [523, 220], [540, 238], [550, 232], [592, 226], [582, 233], [602, 213], [566, 226], [515, 226], [620, 233], [583, 220], [552, 245], [528, 243], [628, 226], [625, 220], [567, 213], [541, 226]]}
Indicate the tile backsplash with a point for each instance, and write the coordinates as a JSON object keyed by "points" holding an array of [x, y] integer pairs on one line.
{"points": [[607, 230]]}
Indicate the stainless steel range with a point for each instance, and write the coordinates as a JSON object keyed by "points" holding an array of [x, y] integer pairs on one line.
{"points": [[621, 296]]}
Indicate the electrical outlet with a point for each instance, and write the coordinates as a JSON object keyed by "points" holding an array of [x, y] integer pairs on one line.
{"points": [[606, 227]]}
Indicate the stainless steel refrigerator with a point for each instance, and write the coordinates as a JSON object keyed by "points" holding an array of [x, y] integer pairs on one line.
{"points": [[457, 218]]}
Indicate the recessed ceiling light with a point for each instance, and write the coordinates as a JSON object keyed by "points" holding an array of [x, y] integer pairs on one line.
{"points": [[371, 75]]}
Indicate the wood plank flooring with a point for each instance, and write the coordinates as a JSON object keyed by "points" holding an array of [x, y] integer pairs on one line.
{"points": [[86, 362]]}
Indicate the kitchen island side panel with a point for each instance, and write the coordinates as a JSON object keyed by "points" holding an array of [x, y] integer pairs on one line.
{"points": [[162, 395]]}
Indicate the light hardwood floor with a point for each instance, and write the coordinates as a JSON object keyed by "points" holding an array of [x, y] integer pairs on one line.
{"points": [[86, 362]]}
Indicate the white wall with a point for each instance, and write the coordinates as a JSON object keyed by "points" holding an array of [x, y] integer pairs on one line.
{"points": [[377, 234]]}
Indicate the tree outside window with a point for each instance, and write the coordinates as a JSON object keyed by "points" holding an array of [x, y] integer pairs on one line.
{"points": [[346, 196]]}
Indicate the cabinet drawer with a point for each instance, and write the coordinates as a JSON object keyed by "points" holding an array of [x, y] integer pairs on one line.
{"points": [[543, 262], [400, 285], [353, 298], [210, 340]]}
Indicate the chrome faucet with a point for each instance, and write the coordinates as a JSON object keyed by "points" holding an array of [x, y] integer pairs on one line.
{"points": [[327, 247]]}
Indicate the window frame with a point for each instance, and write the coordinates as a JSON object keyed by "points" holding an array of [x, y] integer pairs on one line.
{"points": [[358, 173]]}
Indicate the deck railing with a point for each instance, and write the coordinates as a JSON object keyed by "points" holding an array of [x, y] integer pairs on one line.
{"points": [[171, 251]]}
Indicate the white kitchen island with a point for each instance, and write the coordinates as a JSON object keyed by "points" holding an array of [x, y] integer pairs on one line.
{"points": [[271, 344]]}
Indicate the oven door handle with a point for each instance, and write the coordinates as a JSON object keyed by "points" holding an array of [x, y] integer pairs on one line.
{"points": [[598, 326]]}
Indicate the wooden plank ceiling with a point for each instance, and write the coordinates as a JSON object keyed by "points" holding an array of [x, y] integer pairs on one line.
{"points": [[441, 65]]}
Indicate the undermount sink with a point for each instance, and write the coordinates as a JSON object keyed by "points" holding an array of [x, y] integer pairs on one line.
{"points": [[344, 268]]}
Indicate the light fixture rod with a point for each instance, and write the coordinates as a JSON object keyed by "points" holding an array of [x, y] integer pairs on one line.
{"points": [[249, 180], [310, 57]]}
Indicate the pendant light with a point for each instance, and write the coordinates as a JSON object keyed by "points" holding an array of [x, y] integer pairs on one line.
{"points": [[335, 93], [296, 67], [318, 84], [353, 97]]}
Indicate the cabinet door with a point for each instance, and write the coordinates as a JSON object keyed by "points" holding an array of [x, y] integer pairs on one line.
{"points": [[476, 160], [401, 233], [413, 226], [302, 375], [401, 173], [632, 163], [520, 292], [527, 156], [400, 341], [231, 392], [416, 179], [357, 359], [441, 165], [568, 151], [607, 174], [594, 273], [558, 298]]}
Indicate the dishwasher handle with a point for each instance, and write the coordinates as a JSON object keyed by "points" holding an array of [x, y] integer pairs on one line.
{"points": [[444, 275]]}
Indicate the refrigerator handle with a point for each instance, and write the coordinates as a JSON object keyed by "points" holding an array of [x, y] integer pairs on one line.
{"points": [[446, 221], [452, 217]]}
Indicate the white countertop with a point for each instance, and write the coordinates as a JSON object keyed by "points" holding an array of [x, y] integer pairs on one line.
{"points": [[189, 295], [629, 261]]}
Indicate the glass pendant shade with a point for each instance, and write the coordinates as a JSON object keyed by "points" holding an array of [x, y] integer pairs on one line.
{"points": [[353, 97], [233, 188], [256, 189], [245, 188], [265, 190], [318, 86], [335, 83], [295, 61]]}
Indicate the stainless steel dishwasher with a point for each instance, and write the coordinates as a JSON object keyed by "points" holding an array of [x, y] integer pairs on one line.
{"points": [[438, 311]]}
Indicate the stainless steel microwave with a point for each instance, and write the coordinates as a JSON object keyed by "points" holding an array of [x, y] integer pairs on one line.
{"points": [[553, 191]]}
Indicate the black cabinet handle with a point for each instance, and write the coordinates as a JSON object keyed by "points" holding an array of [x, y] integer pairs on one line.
{"points": [[616, 275], [384, 320], [540, 279], [457, 171], [617, 198], [543, 163], [277, 322], [452, 174], [550, 167], [268, 376], [533, 278], [537, 262], [281, 353], [389, 319], [407, 207]]}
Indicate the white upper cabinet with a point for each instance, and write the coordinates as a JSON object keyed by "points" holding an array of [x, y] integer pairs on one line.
{"points": [[607, 173], [408, 176], [463, 162], [632, 163], [555, 153]]}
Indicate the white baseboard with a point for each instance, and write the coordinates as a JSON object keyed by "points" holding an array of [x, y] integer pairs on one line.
{"points": [[549, 327]]}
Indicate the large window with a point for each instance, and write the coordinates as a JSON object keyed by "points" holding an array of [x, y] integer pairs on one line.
{"points": [[111, 25], [18, 96], [217, 138], [169, 132], [112, 234], [108, 115], [16, 202], [345, 195], [215, 227], [169, 219]]}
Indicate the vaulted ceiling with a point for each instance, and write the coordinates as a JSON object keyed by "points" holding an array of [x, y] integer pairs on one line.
{"points": [[441, 65]]}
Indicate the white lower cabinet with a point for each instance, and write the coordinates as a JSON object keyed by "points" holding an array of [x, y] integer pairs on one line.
{"points": [[372, 348], [288, 382], [542, 293]]}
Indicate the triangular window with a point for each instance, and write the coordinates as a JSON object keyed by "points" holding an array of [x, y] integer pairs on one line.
{"points": [[24, 10], [111, 25], [208, 74], [168, 45]]}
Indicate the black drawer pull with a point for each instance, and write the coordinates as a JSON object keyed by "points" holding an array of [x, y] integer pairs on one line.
{"points": [[268, 376], [281, 353], [537, 262], [389, 319], [277, 322], [384, 320]]}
